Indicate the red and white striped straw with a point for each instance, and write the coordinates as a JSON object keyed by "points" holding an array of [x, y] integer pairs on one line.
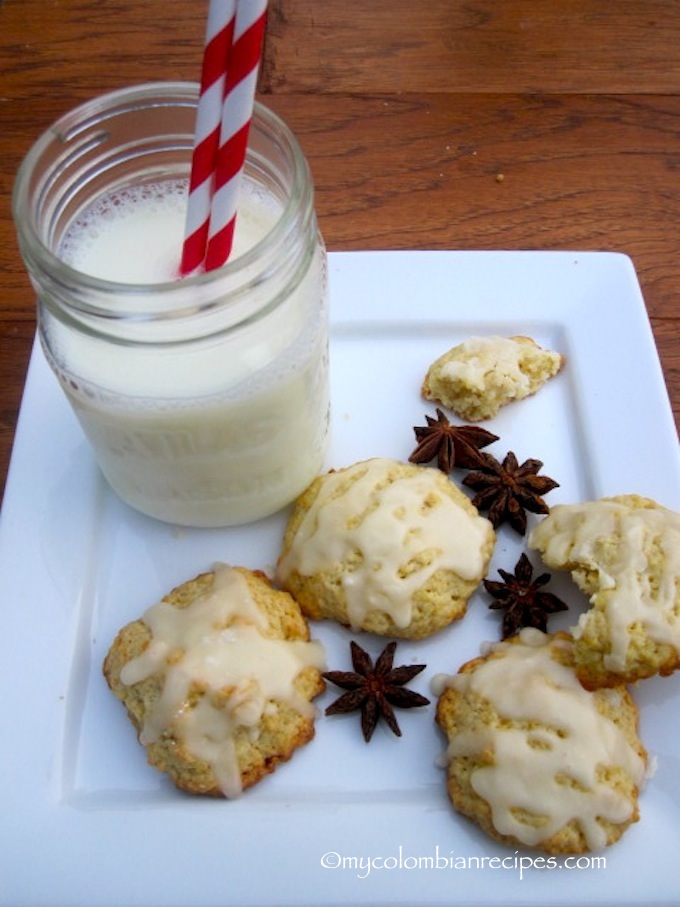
{"points": [[233, 47], [237, 112], [218, 40]]}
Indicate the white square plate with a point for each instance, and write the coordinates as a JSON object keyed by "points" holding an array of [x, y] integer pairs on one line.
{"points": [[86, 823]]}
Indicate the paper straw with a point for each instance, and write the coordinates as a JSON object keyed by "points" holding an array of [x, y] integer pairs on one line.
{"points": [[218, 41], [237, 112]]}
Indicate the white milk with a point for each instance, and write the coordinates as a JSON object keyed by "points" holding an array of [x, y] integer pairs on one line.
{"points": [[136, 235], [223, 430]]}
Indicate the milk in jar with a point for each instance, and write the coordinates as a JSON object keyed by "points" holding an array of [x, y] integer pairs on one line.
{"points": [[205, 398]]}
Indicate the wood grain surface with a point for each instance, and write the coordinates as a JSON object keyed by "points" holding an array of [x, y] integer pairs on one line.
{"points": [[527, 124]]}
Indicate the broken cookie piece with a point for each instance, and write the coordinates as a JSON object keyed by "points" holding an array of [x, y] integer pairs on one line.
{"points": [[478, 377]]}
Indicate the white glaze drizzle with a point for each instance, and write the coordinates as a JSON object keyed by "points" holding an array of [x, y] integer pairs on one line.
{"points": [[480, 356], [546, 762], [216, 643], [574, 534], [389, 527]]}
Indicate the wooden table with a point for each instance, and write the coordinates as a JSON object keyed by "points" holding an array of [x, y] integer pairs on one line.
{"points": [[525, 124]]}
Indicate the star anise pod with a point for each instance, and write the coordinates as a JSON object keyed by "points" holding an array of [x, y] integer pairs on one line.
{"points": [[452, 445], [375, 689], [524, 602], [507, 490]]}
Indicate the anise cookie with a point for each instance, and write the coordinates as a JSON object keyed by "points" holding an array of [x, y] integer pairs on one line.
{"points": [[218, 678], [624, 553], [386, 547], [534, 758], [477, 377]]}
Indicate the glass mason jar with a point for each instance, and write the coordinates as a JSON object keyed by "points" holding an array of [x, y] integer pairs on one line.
{"points": [[205, 398]]}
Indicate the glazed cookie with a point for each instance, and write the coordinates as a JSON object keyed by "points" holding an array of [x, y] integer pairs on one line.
{"points": [[218, 678], [624, 553], [476, 378], [535, 759], [386, 547]]}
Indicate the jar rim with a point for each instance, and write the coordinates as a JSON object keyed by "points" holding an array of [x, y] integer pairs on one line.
{"points": [[90, 112]]}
